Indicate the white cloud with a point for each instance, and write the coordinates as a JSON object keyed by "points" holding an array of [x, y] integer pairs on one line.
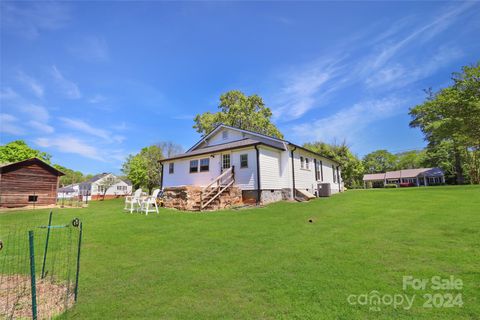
{"points": [[70, 144], [349, 122], [98, 98], [379, 62], [305, 87], [82, 126], [41, 126], [9, 125], [8, 94], [31, 83], [398, 75], [69, 88], [37, 112], [29, 19], [91, 48], [420, 34]]}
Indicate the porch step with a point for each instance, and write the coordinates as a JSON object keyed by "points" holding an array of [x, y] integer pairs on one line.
{"points": [[213, 203]]}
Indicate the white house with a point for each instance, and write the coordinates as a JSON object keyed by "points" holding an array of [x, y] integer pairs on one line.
{"points": [[94, 188], [265, 168], [412, 177], [69, 191]]}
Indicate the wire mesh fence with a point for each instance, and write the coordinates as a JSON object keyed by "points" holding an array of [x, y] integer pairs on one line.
{"points": [[75, 202], [39, 269]]}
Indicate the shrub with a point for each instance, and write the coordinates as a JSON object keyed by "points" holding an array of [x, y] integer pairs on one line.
{"points": [[390, 185]]}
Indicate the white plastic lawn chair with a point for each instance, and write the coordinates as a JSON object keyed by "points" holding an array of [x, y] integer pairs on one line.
{"points": [[133, 201], [149, 204]]}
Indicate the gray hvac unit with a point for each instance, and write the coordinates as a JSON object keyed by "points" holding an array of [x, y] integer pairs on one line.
{"points": [[324, 190]]}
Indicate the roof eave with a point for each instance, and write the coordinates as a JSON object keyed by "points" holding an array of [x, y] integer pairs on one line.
{"points": [[184, 156]]}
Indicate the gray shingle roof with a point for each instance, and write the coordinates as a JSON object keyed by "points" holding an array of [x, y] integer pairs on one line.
{"points": [[227, 146], [405, 173]]}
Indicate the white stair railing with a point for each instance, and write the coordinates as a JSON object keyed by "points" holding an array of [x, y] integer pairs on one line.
{"points": [[216, 187]]}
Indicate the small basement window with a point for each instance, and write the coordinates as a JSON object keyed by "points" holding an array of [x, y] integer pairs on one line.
{"points": [[204, 164], [171, 168], [244, 160], [193, 166]]}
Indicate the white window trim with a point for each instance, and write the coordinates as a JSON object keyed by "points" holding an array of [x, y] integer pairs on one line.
{"points": [[245, 167]]}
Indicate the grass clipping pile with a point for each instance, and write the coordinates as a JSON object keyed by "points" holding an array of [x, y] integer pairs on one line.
{"points": [[16, 298]]}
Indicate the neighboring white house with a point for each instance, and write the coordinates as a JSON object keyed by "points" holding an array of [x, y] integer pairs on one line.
{"points": [[94, 188], [70, 191], [265, 168]]}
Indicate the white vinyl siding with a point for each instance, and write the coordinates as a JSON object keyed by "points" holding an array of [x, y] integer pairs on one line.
{"points": [[270, 169], [219, 137], [120, 188], [244, 178], [305, 179]]}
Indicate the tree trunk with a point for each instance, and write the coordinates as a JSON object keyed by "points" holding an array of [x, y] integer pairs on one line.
{"points": [[458, 166]]}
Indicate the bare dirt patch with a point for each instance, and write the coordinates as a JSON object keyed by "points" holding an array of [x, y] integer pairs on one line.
{"points": [[16, 298]]}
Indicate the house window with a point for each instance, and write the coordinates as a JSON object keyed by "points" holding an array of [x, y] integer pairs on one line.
{"points": [[338, 174], [193, 166], [204, 164], [334, 174], [225, 135], [225, 161], [244, 161], [307, 165], [171, 168], [302, 165]]}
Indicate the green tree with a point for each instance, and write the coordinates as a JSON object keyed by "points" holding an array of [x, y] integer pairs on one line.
{"points": [[379, 161], [18, 150], [453, 114], [135, 169], [241, 111], [441, 155], [152, 155], [106, 183], [70, 177], [144, 169], [410, 159], [352, 167]]}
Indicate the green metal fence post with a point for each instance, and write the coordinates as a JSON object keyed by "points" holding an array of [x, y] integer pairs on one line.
{"points": [[78, 261], [32, 275], [46, 245]]}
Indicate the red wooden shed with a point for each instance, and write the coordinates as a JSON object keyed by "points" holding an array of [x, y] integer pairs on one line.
{"points": [[28, 182]]}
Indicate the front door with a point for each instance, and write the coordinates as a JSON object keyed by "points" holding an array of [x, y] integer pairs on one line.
{"points": [[226, 161]]}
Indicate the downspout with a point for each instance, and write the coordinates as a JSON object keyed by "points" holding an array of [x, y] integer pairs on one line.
{"points": [[258, 174], [293, 172], [161, 176]]}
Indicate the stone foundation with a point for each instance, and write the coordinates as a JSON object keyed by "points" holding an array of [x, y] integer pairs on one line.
{"points": [[187, 198], [266, 196], [269, 196]]}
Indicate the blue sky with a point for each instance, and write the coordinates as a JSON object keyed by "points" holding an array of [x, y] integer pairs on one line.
{"points": [[92, 82]]}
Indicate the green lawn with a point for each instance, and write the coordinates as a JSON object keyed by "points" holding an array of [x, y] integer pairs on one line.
{"points": [[270, 263]]}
